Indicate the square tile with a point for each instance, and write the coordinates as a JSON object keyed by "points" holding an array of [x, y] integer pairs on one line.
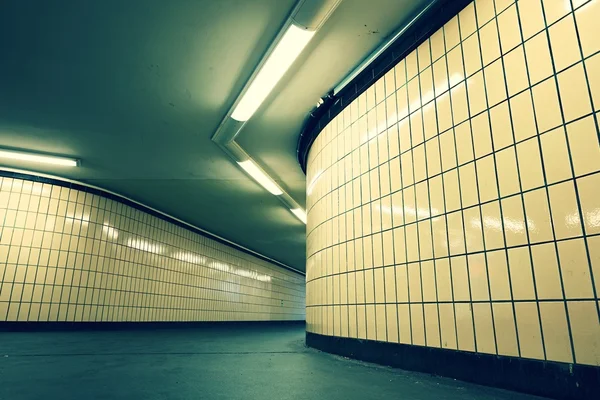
{"points": [[587, 24], [482, 137], [521, 108], [531, 16], [565, 214], [563, 39], [585, 331], [494, 82], [521, 276], [476, 89], [468, 24], [510, 32], [468, 185], [501, 126], [577, 280], [583, 143], [508, 175], [589, 197], [486, 178], [556, 156], [547, 274], [556, 332], [464, 143], [516, 71], [574, 95], [538, 216], [514, 221], [498, 273], [490, 44], [547, 109], [472, 55], [592, 66], [460, 111], [539, 62], [473, 230]]}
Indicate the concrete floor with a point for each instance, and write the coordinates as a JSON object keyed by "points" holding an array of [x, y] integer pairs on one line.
{"points": [[223, 362]]}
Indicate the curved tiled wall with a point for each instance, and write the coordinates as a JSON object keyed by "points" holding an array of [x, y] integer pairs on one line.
{"points": [[455, 204], [70, 254]]}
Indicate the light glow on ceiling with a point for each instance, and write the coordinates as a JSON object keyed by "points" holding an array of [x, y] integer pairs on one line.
{"points": [[252, 169], [290, 46], [300, 214], [37, 158]]}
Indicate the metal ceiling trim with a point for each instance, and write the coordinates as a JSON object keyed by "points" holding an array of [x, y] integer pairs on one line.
{"points": [[60, 181]]}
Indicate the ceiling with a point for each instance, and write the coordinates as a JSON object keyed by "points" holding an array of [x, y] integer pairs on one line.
{"points": [[135, 89]]}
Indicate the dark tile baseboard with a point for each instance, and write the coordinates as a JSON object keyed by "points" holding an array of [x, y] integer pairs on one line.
{"points": [[542, 378], [104, 326]]}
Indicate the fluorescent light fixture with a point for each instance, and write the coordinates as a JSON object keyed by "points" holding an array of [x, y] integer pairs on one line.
{"points": [[279, 61], [300, 214], [252, 169], [37, 158]]}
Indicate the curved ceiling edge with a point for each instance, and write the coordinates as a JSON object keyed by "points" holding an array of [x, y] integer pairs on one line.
{"points": [[84, 187], [426, 22]]}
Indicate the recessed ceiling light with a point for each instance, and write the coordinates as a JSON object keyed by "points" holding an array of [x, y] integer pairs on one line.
{"points": [[286, 51], [300, 214], [37, 158], [259, 176]]}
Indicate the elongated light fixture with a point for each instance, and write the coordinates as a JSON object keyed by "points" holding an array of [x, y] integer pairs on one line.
{"points": [[37, 158], [300, 214], [287, 50], [259, 176]]}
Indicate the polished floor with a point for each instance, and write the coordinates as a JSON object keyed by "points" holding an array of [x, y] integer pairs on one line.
{"points": [[218, 362]]}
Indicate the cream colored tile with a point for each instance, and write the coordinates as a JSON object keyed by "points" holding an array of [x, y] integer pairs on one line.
{"points": [[400, 73], [514, 221], [440, 76], [592, 66], [506, 335], [379, 92], [538, 216], [422, 196], [476, 90], [486, 179], [452, 190], [412, 68], [501, 126], [430, 121], [516, 71], [565, 215], [443, 281], [555, 10], [472, 55], [583, 143], [556, 155], [460, 278], [456, 71], [426, 79], [510, 32], [404, 135], [468, 23], [484, 328], [490, 45], [508, 175], [565, 47], [492, 226], [416, 128], [485, 11], [589, 198], [593, 243], [417, 324], [530, 164], [399, 249], [473, 229], [447, 326], [404, 323], [494, 82], [436, 195], [528, 328], [434, 166], [419, 163], [556, 332], [464, 144], [482, 137], [392, 323], [460, 111], [448, 150], [410, 208], [455, 233], [414, 282], [444, 112], [468, 185], [424, 55], [520, 274], [438, 47], [412, 243], [574, 95], [585, 331], [390, 83], [502, 5], [547, 110], [547, 274], [531, 16], [464, 327], [587, 24], [452, 33], [428, 281], [521, 108], [539, 62], [575, 269], [406, 166], [414, 95]]}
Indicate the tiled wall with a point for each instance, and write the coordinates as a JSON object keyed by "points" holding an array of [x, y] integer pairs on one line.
{"points": [[456, 203], [70, 255]]}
